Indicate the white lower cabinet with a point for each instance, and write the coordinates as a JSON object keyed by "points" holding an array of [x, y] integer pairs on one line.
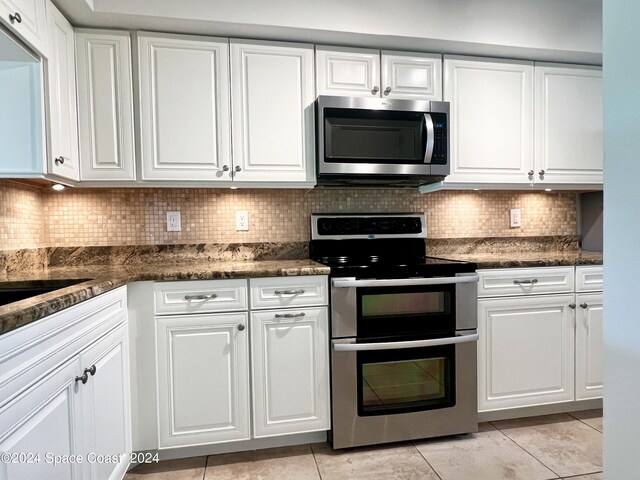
{"points": [[72, 422], [203, 378], [289, 371], [525, 351], [537, 348], [589, 349]]}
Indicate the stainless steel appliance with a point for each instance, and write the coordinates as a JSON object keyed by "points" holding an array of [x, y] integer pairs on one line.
{"points": [[403, 329], [374, 141]]}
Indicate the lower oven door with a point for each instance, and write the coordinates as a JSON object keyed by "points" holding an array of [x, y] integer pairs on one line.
{"points": [[394, 391]]}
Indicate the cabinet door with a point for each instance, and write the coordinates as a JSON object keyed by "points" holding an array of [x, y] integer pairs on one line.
{"points": [[27, 18], [569, 124], [105, 105], [44, 420], [589, 348], [414, 76], [273, 112], [290, 371], [106, 417], [525, 351], [203, 379], [184, 107], [354, 72], [63, 122], [491, 120]]}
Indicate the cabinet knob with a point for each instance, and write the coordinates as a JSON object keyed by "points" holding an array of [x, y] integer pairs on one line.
{"points": [[91, 370], [387, 90], [572, 306], [241, 327], [59, 160], [83, 378], [584, 305], [375, 90], [238, 168], [15, 18], [225, 168], [530, 173], [541, 173]]}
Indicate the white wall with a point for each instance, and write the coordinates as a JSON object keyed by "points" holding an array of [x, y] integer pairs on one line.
{"points": [[536, 29], [621, 237]]}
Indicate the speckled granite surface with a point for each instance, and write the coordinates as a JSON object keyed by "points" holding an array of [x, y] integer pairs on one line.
{"points": [[530, 259], [107, 277]]}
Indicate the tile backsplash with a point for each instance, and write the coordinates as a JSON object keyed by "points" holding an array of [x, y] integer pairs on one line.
{"points": [[32, 218]]}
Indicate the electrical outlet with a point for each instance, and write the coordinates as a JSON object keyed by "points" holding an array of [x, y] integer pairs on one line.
{"points": [[515, 218], [173, 222], [242, 220]]}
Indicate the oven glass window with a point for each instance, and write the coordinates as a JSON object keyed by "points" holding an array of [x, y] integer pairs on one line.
{"points": [[401, 304], [390, 382]]}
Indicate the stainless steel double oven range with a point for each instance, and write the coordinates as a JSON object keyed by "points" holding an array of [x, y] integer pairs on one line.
{"points": [[403, 331]]}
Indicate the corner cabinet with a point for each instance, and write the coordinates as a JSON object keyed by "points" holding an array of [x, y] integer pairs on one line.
{"points": [[389, 74], [105, 105], [569, 124], [272, 95], [491, 120], [184, 107], [62, 155]]}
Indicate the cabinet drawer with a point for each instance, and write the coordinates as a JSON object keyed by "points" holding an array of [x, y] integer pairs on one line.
{"points": [[525, 281], [589, 278], [200, 296], [274, 292]]}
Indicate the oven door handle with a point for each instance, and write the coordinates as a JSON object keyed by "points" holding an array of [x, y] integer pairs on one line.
{"points": [[352, 282], [351, 346]]}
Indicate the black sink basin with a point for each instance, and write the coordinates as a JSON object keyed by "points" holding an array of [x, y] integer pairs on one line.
{"points": [[13, 291]]}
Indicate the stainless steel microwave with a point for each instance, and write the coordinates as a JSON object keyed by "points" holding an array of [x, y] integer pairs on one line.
{"points": [[382, 142]]}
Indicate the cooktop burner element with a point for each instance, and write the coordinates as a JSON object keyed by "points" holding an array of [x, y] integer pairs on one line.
{"points": [[377, 245]]}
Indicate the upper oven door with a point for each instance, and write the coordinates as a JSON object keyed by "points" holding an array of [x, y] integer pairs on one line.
{"points": [[362, 136], [403, 308]]}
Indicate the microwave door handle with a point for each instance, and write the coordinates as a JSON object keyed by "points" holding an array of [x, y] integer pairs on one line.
{"points": [[428, 126], [351, 346]]}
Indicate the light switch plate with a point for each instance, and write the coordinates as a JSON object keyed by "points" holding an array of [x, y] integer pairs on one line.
{"points": [[515, 218], [242, 220], [173, 222]]}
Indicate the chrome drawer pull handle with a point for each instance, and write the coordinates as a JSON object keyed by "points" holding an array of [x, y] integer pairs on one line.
{"points": [[288, 292], [526, 282], [290, 315], [200, 297]]}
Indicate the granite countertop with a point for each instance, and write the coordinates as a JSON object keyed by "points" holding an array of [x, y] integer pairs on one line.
{"points": [[529, 259], [107, 277]]}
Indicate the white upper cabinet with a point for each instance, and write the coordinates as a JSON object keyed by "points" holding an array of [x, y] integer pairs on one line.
{"points": [[387, 74], [184, 107], [491, 120], [105, 105], [27, 19], [569, 124], [62, 155], [273, 112]]}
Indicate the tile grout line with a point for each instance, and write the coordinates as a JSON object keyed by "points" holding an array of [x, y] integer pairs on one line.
{"points": [[315, 461], [426, 461], [585, 423], [206, 465], [527, 452]]}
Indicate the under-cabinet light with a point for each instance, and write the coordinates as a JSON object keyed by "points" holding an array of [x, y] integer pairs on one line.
{"points": [[58, 187]]}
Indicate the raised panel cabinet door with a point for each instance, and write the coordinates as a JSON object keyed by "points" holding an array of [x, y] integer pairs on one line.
{"points": [[413, 76], [203, 379], [63, 120], [569, 124], [589, 347], [27, 18], [44, 421], [106, 406], [273, 112], [353, 72], [105, 105], [184, 107], [525, 351], [290, 371], [491, 124]]}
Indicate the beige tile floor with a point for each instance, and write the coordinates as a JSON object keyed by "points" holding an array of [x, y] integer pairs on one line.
{"points": [[567, 446]]}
